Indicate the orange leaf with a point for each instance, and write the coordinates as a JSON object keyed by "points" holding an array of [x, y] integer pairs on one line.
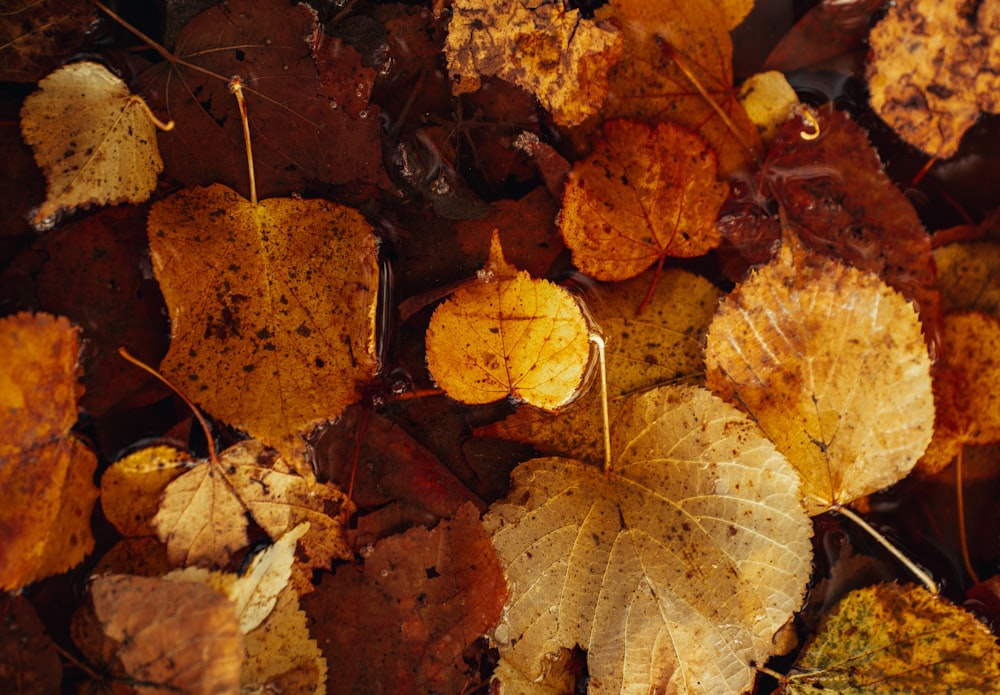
{"points": [[46, 473]]}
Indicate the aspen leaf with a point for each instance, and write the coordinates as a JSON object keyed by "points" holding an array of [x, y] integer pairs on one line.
{"points": [[550, 51], [897, 639], [673, 569], [93, 139], [509, 335], [830, 361], [46, 473], [272, 307], [645, 193], [203, 515]]}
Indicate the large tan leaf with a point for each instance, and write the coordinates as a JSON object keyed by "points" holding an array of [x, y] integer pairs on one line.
{"points": [[831, 363], [674, 569]]}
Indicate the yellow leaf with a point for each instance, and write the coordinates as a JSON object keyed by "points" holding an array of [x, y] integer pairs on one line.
{"points": [[131, 487], [673, 570], [93, 139], [544, 48], [272, 307], [831, 363], [769, 101], [897, 639], [509, 336]]}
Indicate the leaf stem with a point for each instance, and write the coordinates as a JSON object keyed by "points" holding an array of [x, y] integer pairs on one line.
{"points": [[960, 502], [907, 562], [599, 342], [236, 87]]}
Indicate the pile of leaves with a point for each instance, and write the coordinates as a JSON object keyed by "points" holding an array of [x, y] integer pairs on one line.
{"points": [[548, 347]]}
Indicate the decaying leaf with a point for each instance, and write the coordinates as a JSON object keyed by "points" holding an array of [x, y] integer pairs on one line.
{"points": [[204, 513], [830, 361], [645, 193], [934, 68], [37, 35], [674, 569], [46, 472], [29, 662], [897, 639], [272, 307], [969, 277], [93, 139], [509, 335], [401, 623], [545, 48], [181, 636], [131, 487]]}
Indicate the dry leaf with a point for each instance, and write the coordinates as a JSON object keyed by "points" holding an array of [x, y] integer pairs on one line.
{"points": [[509, 335], [934, 69], [673, 570], [272, 307], [897, 639], [830, 361], [204, 513], [131, 487], [46, 473], [175, 635], [545, 48], [643, 194], [93, 139]]}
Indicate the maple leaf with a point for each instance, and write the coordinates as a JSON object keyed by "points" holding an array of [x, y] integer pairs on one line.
{"points": [[673, 569], [45, 471], [272, 307], [93, 138], [830, 361]]}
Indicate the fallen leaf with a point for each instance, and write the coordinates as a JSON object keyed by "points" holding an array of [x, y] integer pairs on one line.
{"points": [[643, 194], [549, 50], [204, 514], [769, 101], [830, 361], [36, 36], [897, 639], [828, 30], [969, 277], [272, 307], [29, 661], [400, 623], [93, 139], [673, 569], [509, 335], [45, 470], [934, 70], [132, 486]]}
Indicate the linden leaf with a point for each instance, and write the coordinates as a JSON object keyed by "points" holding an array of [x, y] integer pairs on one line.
{"points": [[643, 194], [204, 513], [830, 361], [897, 639], [509, 336], [46, 473], [930, 85], [674, 569], [131, 487], [272, 307], [93, 139], [180, 636], [544, 48]]}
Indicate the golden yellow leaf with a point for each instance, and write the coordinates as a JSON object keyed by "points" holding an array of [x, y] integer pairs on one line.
{"points": [[272, 307], [204, 513], [831, 363], [93, 139], [969, 277], [769, 101], [46, 473], [131, 487], [543, 48], [644, 194], [897, 639], [509, 336], [674, 569], [934, 68]]}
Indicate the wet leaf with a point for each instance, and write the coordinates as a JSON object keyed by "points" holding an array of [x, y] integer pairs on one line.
{"points": [[272, 307], [828, 30], [830, 361], [93, 139], [45, 470], [401, 623], [969, 277], [644, 194], [768, 100], [36, 36], [897, 639], [509, 335], [934, 69], [547, 49], [674, 569], [29, 662]]}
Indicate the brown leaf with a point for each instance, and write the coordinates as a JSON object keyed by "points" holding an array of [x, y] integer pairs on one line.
{"points": [[401, 623], [828, 30], [969, 277], [29, 662], [36, 36]]}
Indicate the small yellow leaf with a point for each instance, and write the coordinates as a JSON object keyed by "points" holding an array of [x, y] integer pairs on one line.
{"points": [[93, 139], [131, 487], [768, 100]]}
